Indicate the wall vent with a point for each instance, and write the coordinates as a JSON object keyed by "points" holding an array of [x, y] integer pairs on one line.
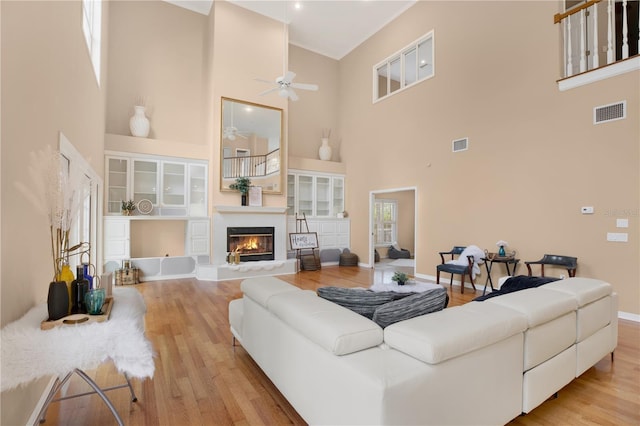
{"points": [[611, 112], [460, 144]]}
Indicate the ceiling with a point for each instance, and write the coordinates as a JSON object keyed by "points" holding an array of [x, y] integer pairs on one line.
{"points": [[331, 28]]}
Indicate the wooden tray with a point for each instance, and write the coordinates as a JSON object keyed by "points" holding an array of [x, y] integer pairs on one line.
{"points": [[496, 256], [74, 319]]}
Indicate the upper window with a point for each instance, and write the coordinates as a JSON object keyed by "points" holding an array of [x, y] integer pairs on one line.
{"points": [[412, 64], [91, 27]]}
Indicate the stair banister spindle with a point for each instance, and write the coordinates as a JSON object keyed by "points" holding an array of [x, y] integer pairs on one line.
{"points": [[625, 31], [568, 42], [610, 56], [596, 55], [583, 36]]}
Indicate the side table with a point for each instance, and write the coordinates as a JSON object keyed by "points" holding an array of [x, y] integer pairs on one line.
{"points": [[488, 263], [29, 353]]}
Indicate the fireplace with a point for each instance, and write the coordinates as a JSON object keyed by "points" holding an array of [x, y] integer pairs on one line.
{"points": [[254, 243]]}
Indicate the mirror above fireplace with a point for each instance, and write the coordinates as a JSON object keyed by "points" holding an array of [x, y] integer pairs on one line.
{"points": [[251, 145]]}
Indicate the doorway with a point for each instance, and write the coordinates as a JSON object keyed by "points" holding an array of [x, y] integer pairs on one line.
{"points": [[392, 218]]}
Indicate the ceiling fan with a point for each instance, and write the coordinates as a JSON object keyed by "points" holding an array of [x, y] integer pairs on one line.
{"points": [[284, 84], [232, 132]]}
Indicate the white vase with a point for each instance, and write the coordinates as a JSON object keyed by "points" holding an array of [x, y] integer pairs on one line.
{"points": [[325, 150], [139, 123]]}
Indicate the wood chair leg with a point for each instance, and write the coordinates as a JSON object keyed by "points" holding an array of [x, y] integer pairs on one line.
{"points": [[437, 277], [472, 283], [461, 284]]}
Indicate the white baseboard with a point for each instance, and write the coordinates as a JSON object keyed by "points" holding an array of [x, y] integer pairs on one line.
{"points": [[628, 316]]}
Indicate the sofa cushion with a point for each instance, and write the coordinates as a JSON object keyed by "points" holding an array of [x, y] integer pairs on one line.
{"points": [[539, 305], [586, 290], [452, 332], [411, 306], [261, 289], [364, 302], [334, 328]]}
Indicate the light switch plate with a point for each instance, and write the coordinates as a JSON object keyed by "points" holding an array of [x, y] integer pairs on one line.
{"points": [[587, 210], [622, 223]]}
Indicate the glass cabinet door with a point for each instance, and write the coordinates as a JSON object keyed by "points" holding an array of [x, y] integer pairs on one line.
{"points": [[197, 190], [145, 181], [305, 195], [323, 196], [291, 195], [118, 178], [173, 184], [338, 195]]}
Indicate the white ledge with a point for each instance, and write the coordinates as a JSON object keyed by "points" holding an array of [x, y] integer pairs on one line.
{"points": [[250, 209], [602, 73]]}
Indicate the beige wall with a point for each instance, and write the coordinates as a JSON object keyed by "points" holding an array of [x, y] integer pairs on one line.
{"points": [[157, 238], [534, 156], [314, 111], [48, 86], [156, 52]]}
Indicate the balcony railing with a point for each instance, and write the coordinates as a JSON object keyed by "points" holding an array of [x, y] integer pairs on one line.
{"points": [[599, 33], [251, 166]]}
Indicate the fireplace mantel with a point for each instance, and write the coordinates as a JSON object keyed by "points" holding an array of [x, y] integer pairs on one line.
{"points": [[250, 209]]}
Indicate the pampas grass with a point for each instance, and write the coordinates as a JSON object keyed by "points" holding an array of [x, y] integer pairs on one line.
{"points": [[57, 193]]}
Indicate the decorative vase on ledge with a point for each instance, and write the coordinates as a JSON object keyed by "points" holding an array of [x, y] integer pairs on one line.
{"points": [[325, 150], [501, 251], [244, 199], [139, 123]]}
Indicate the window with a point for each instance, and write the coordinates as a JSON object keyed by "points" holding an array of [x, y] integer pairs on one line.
{"points": [[92, 27], [412, 64], [85, 224], [385, 216]]}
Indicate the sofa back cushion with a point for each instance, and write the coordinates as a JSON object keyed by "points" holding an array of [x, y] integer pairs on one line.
{"points": [[412, 306], [333, 327], [452, 332], [261, 289]]}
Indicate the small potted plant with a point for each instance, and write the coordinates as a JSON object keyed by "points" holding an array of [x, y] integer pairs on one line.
{"points": [[242, 184], [128, 207], [400, 277]]}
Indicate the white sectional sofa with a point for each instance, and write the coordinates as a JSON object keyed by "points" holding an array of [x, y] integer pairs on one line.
{"points": [[480, 363]]}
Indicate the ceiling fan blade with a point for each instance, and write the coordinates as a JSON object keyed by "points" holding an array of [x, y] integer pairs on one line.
{"points": [[292, 94], [269, 91], [264, 81], [289, 76], [304, 86]]}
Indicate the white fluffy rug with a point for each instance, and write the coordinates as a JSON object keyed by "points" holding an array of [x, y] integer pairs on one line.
{"points": [[408, 263], [28, 353]]}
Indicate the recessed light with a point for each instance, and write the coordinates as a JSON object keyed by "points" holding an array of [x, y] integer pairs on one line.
{"points": [[297, 5]]}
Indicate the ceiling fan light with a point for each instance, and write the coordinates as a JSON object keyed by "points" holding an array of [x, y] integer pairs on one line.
{"points": [[284, 93]]}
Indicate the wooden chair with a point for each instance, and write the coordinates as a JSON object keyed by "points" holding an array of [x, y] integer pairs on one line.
{"points": [[568, 262], [455, 269]]}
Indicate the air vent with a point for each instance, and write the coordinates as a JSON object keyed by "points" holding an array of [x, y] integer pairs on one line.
{"points": [[460, 144], [611, 112]]}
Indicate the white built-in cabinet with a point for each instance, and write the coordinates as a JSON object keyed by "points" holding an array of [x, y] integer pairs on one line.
{"points": [[320, 197], [175, 186], [315, 194]]}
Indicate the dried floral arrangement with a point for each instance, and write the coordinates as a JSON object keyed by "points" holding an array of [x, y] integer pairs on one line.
{"points": [[58, 194]]}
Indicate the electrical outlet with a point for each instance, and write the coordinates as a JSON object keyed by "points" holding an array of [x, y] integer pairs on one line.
{"points": [[587, 210], [622, 223]]}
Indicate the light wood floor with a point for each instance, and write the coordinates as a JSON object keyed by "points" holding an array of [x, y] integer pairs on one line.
{"points": [[201, 379]]}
